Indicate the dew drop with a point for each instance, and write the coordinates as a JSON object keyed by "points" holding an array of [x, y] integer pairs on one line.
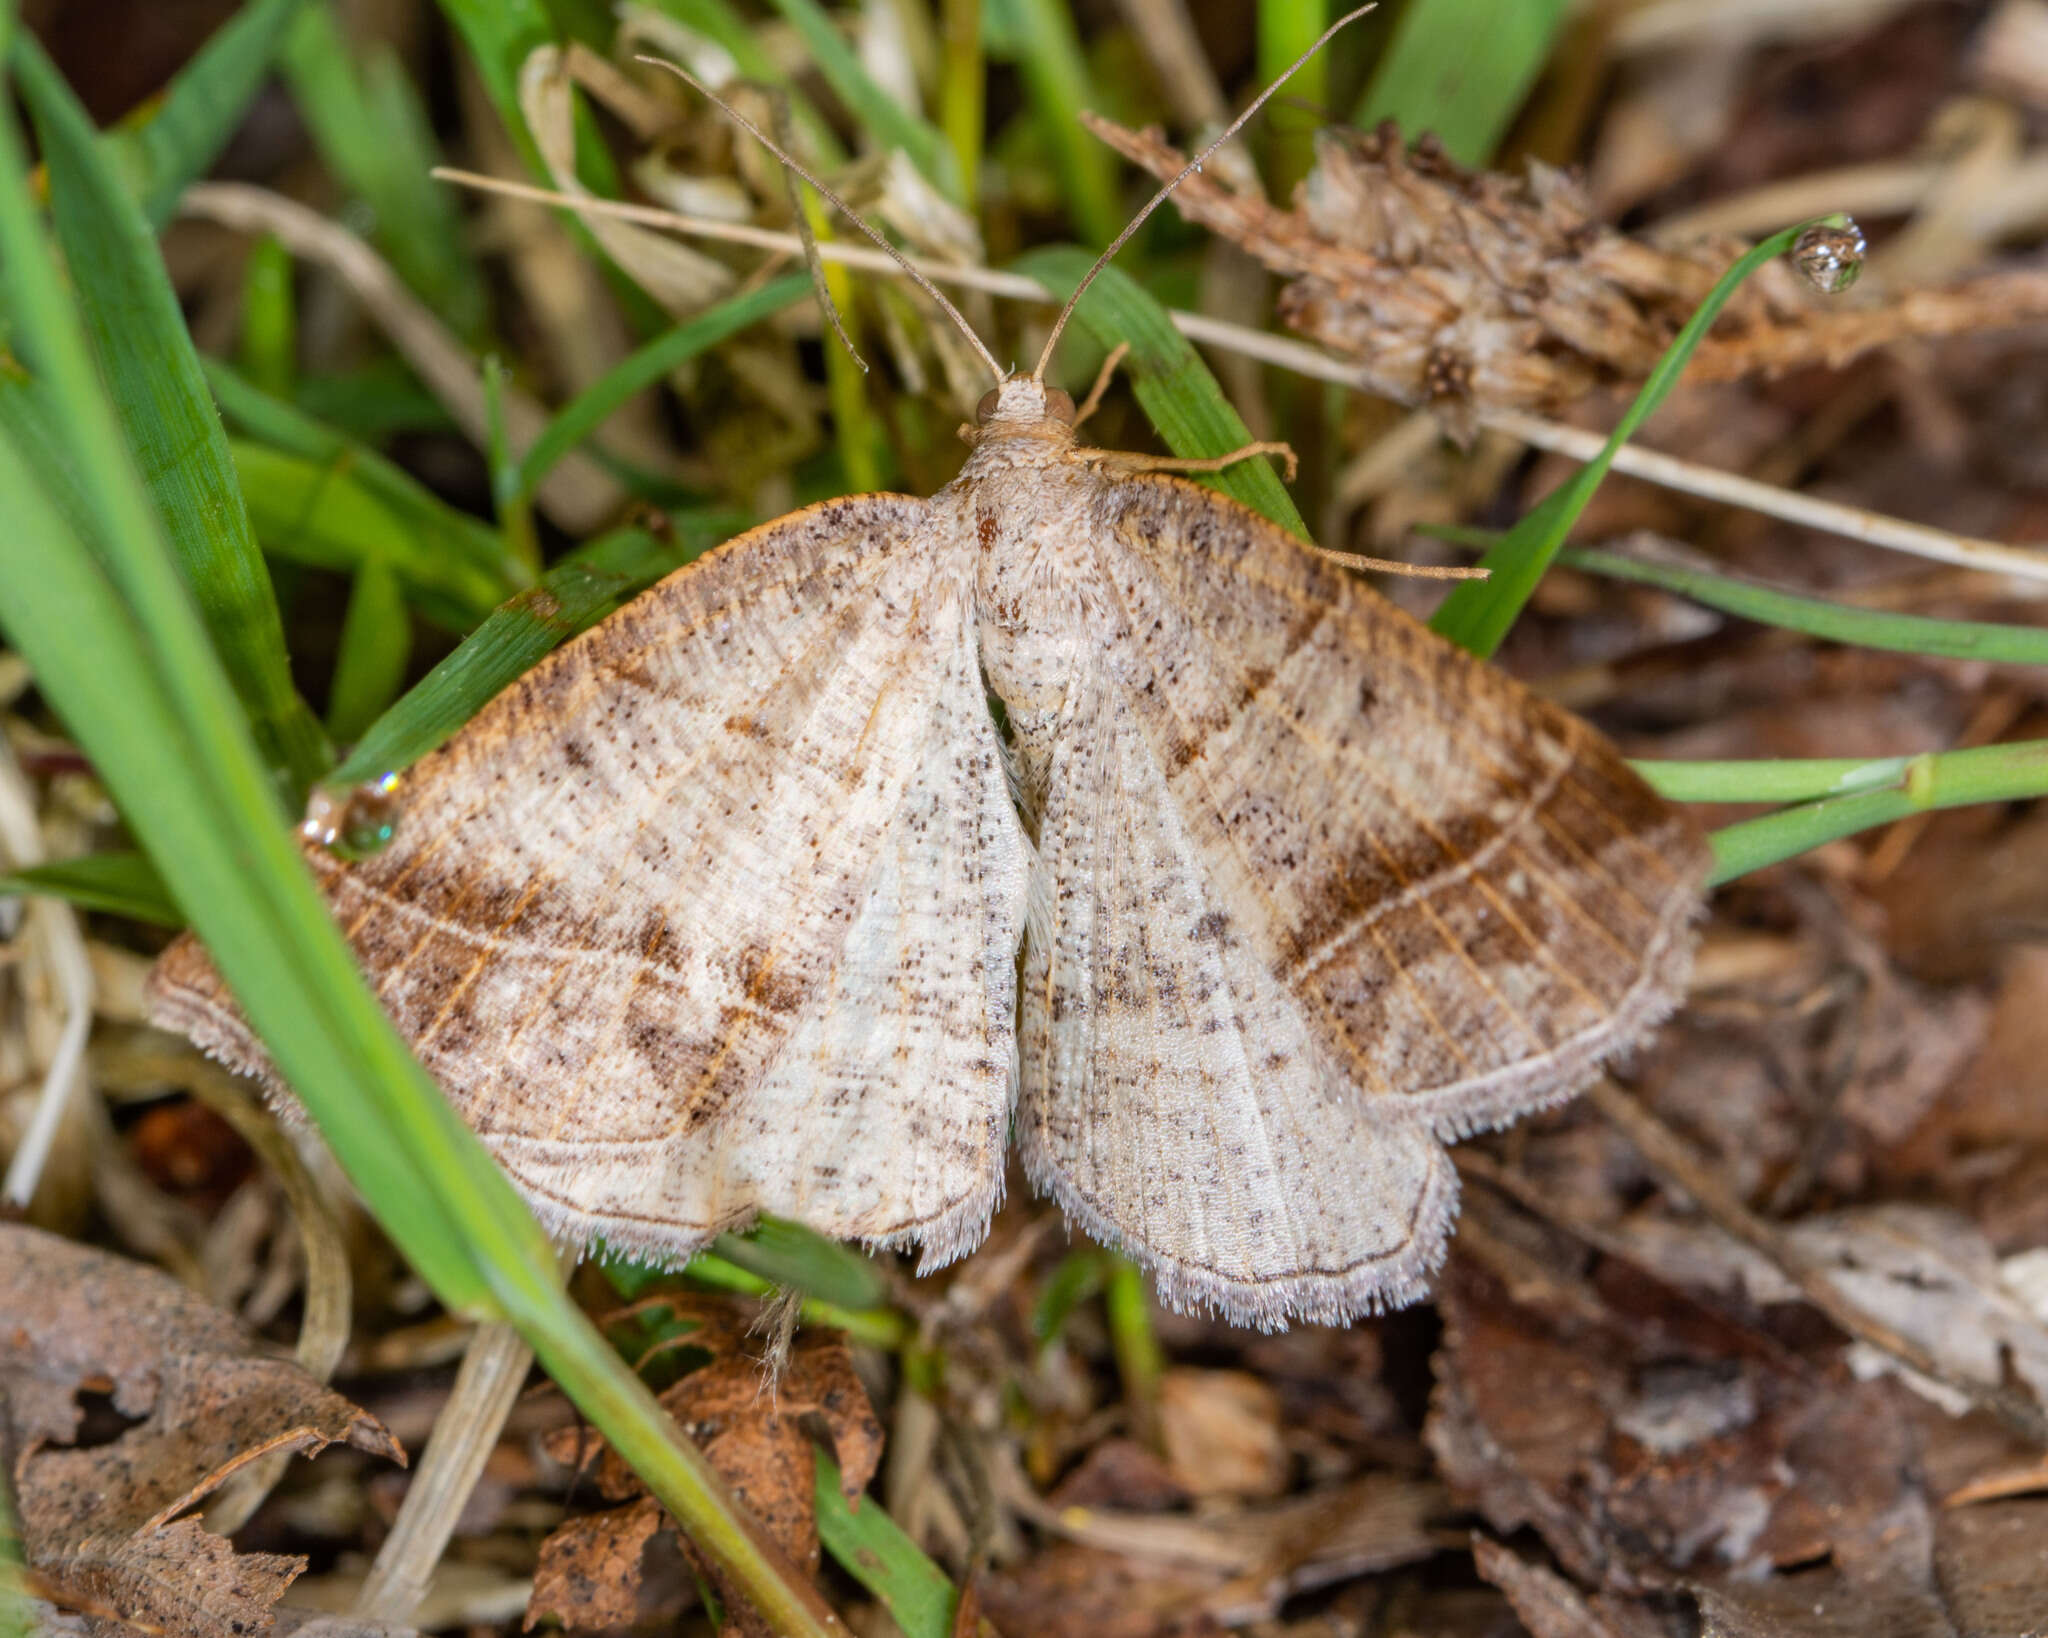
{"points": [[1830, 257], [355, 821]]}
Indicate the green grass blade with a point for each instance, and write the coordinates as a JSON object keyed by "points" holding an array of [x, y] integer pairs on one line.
{"points": [[442, 533], [587, 411], [872, 1548], [1818, 617], [200, 109], [789, 1255], [18, 1618], [29, 414], [121, 884], [1769, 779], [321, 514], [372, 134], [963, 92], [120, 652], [1945, 779], [374, 401], [1287, 28], [1478, 613], [1461, 68], [1174, 387], [884, 118], [1057, 79], [500, 35], [270, 319], [91, 661], [376, 641], [572, 596], [139, 336]]}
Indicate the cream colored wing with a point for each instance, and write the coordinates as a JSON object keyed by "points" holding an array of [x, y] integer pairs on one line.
{"points": [[1406, 898], [716, 910]]}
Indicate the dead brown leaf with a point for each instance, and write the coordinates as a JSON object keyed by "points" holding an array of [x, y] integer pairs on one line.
{"points": [[1660, 1449], [101, 1523], [1074, 1591], [754, 1429], [1221, 1432]]}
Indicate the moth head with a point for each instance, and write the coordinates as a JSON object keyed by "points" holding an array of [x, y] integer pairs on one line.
{"points": [[1022, 405]]}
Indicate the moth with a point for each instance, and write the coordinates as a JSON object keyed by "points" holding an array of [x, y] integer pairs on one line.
{"points": [[744, 902]]}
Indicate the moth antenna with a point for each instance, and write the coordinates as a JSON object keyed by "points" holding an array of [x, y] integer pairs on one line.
{"points": [[844, 209], [1193, 165]]}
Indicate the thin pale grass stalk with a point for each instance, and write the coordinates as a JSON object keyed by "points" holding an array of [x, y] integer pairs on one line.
{"points": [[1890, 188], [487, 1384], [63, 955], [579, 492], [1668, 471]]}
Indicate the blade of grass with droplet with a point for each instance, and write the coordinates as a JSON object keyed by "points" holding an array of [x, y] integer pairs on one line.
{"points": [[872, 1548], [147, 359], [119, 651], [443, 533], [1944, 779], [1461, 68], [572, 596], [1478, 613], [121, 884], [200, 110], [586, 412], [367, 123], [888, 121], [1184, 401]]}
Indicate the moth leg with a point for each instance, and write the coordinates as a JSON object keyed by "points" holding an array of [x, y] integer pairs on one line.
{"points": [[1093, 401], [1122, 460]]}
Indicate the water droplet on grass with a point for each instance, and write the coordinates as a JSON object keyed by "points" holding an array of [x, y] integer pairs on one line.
{"points": [[1830, 257], [353, 822]]}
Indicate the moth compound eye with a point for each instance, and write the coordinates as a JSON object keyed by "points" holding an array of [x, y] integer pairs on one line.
{"points": [[1060, 406], [986, 409]]}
